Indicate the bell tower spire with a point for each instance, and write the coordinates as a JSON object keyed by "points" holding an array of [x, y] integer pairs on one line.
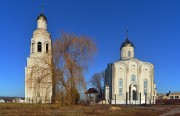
{"points": [[127, 34], [41, 19], [42, 7]]}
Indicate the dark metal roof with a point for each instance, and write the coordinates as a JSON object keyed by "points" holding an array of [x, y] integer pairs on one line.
{"points": [[91, 90], [126, 43], [42, 16]]}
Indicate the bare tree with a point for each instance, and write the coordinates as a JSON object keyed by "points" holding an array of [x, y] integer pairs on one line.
{"points": [[70, 56], [97, 81]]}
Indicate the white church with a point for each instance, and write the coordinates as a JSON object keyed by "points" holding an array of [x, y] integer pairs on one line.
{"points": [[38, 76], [129, 80]]}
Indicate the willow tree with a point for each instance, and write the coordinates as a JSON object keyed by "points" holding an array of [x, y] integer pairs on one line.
{"points": [[70, 58]]}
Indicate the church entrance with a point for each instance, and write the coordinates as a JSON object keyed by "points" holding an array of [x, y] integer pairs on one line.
{"points": [[133, 93]]}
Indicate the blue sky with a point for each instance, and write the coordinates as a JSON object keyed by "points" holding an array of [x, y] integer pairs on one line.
{"points": [[154, 28]]}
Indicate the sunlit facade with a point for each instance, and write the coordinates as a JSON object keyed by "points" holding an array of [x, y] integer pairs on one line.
{"points": [[129, 78], [38, 76]]}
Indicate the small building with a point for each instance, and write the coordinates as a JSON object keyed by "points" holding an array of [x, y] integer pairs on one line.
{"points": [[11, 99], [18, 100], [2, 101], [160, 96], [92, 96], [168, 98], [171, 95], [7, 99], [174, 95]]}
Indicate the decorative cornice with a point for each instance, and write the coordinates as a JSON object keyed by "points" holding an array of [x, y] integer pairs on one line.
{"points": [[41, 32]]}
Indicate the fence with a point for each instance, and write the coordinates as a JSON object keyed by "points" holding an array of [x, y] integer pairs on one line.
{"points": [[132, 99], [168, 101], [37, 100], [124, 99]]}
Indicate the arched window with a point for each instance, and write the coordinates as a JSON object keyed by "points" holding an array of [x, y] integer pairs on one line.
{"points": [[39, 47], [38, 80], [32, 47], [129, 54], [38, 94], [124, 53], [133, 78], [120, 87], [145, 86], [47, 47]]}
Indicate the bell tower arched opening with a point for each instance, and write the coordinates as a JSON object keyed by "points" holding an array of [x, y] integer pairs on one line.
{"points": [[39, 47], [47, 47]]}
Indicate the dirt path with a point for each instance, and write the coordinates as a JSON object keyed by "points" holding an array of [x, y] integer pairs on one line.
{"points": [[172, 112]]}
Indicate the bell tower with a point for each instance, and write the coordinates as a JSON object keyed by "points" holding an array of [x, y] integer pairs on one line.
{"points": [[38, 75]]}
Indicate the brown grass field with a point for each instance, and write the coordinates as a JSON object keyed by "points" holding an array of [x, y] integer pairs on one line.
{"points": [[14, 109]]}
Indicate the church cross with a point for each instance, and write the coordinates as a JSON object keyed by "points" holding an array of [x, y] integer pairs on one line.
{"points": [[42, 6]]}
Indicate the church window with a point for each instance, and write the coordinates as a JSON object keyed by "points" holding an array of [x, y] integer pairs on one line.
{"points": [[133, 66], [133, 78], [145, 86], [129, 54], [38, 80], [145, 70], [39, 47], [120, 86], [47, 47], [171, 97], [123, 53], [176, 97], [120, 69], [38, 94], [32, 47]]}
